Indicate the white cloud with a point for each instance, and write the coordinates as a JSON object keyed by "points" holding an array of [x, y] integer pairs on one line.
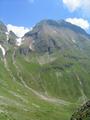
{"points": [[19, 31], [72, 4], [83, 5], [80, 22]]}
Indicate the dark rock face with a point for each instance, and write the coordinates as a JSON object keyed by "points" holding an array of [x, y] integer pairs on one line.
{"points": [[12, 38], [82, 113], [24, 51]]}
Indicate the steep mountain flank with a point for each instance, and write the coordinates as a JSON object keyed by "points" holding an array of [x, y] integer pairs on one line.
{"points": [[50, 35]]}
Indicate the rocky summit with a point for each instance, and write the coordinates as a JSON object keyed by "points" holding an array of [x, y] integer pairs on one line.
{"points": [[47, 76]]}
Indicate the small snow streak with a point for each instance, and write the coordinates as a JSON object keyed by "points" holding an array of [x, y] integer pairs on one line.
{"points": [[3, 50]]}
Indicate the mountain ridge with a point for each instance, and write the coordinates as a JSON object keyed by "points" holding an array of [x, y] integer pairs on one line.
{"points": [[49, 33]]}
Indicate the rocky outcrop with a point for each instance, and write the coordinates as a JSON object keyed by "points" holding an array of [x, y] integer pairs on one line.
{"points": [[82, 112]]}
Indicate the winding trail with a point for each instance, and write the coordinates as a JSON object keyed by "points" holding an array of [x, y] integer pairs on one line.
{"points": [[84, 97], [43, 97]]}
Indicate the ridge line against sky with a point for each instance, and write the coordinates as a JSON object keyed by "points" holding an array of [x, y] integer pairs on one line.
{"points": [[28, 12]]}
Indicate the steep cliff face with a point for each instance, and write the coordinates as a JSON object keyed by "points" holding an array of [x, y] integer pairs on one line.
{"points": [[3, 30], [12, 38]]}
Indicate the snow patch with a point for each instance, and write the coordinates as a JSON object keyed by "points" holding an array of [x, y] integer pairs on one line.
{"points": [[7, 35], [54, 31], [19, 31], [31, 45], [74, 41], [3, 50], [19, 41]]}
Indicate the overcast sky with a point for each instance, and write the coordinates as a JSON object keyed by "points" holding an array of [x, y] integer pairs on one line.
{"points": [[26, 13]]}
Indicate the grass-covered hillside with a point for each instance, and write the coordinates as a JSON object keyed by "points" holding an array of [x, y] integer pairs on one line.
{"points": [[40, 84]]}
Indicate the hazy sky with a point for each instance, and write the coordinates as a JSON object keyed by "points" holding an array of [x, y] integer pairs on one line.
{"points": [[28, 12]]}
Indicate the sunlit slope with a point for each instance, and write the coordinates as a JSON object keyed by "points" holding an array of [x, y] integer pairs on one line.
{"points": [[46, 80], [19, 101], [58, 75], [43, 87]]}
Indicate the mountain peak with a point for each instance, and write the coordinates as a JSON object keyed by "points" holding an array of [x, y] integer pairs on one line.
{"points": [[61, 23], [50, 35]]}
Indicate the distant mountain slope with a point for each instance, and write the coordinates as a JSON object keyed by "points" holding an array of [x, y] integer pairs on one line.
{"points": [[50, 35], [48, 76]]}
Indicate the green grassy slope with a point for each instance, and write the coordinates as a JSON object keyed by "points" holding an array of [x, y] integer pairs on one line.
{"points": [[18, 102], [48, 84], [47, 87]]}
